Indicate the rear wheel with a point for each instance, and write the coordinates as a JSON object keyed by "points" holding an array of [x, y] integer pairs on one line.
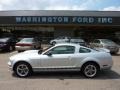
{"points": [[23, 69], [90, 70]]}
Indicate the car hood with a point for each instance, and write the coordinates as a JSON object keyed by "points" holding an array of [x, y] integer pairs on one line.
{"points": [[24, 55], [30, 51]]}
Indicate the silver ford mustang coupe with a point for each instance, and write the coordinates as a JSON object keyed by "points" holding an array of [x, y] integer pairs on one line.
{"points": [[61, 57]]}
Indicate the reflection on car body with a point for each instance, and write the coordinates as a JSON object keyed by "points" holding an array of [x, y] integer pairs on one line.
{"points": [[61, 57]]}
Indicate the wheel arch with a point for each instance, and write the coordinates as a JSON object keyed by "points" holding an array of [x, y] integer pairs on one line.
{"points": [[22, 61], [91, 61]]}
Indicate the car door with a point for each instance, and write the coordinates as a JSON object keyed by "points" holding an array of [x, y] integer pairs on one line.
{"points": [[58, 57]]}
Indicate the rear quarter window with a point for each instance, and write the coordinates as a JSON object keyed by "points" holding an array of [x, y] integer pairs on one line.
{"points": [[84, 50]]}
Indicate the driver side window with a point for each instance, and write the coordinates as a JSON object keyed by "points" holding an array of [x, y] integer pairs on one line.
{"points": [[62, 50]]}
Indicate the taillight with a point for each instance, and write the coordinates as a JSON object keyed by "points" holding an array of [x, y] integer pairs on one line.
{"points": [[25, 44]]}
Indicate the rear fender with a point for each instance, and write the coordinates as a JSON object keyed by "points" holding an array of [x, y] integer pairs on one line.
{"points": [[88, 59]]}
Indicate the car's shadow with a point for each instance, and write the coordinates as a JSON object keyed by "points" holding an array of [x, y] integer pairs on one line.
{"points": [[73, 75]]}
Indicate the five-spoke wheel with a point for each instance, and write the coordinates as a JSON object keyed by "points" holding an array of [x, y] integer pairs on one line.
{"points": [[23, 69], [90, 70]]}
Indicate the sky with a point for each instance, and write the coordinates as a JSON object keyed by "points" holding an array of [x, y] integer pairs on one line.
{"points": [[97, 5]]}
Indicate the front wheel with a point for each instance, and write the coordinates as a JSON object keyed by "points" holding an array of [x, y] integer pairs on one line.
{"points": [[90, 70], [23, 69]]}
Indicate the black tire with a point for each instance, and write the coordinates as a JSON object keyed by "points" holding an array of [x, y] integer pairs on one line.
{"points": [[90, 73], [22, 69]]}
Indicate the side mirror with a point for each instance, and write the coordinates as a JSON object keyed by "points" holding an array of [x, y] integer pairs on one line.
{"points": [[49, 54], [40, 51]]}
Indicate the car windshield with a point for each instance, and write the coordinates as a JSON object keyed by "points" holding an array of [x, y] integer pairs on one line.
{"points": [[3, 39], [27, 40], [106, 41]]}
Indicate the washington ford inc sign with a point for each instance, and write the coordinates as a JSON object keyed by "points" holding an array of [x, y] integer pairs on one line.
{"points": [[63, 20]]}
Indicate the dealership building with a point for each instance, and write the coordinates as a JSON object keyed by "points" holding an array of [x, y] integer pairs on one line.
{"points": [[51, 24]]}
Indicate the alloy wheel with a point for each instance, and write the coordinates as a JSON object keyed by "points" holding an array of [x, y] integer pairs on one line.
{"points": [[22, 70], [90, 70]]}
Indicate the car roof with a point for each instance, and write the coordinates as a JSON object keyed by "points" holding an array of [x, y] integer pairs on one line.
{"points": [[71, 44]]}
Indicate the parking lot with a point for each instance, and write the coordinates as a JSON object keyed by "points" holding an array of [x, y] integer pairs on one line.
{"points": [[107, 80]]}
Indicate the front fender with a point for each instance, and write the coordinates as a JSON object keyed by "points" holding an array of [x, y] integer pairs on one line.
{"points": [[13, 62]]}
